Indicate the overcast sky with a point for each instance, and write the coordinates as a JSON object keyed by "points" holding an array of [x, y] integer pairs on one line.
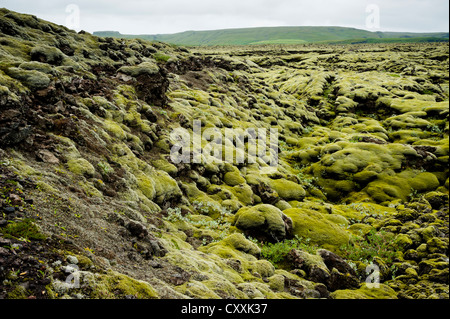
{"points": [[170, 16]]}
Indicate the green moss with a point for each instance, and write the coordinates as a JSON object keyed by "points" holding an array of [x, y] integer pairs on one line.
{"points": [[145, 68], [412, 105], [193, 95], [115, 285], [365, 176], [115, 129], [276, 282], [243, 193], [166, 188], [201, 202], [223, 251], [389, 187], [262, 268], [239, 242], [197, 290], [160, 57], [38, 66], [261, 221], [383, 292], [46, 188], [25, 229], [403, 241], [33, 79], [22, 168], [288, 190], [233, 178], [165, 166], [16, 48], [211, 264], [83, 261], [47, 54], [437, 245], [89, 189], [424, 182], [312, 259], [19, 292], [80, 166], [355, 166], [407, 136], [146, 185], [231, 205], [344, 104], [316, 227], [360, 211], [336, 189], [359, 229], [225, 288]]}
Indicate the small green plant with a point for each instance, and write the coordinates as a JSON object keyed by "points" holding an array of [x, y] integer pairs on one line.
{"points": [[104, 167], [427, 92], [307, 181], [277, 253], [159, 57], [375, 244], [413, 195], [174, 215], [219, 224], [23, 230], [355, 139], [90, 250], [307, 130], [434, 129]]}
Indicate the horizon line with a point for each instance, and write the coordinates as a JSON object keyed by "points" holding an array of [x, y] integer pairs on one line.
{"points": [[270, 27]]}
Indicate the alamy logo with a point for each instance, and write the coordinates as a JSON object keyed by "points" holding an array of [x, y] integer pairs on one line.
{"points": [[73, 279], [373, 17], [73, 16], [213, 145], [373, 279]]}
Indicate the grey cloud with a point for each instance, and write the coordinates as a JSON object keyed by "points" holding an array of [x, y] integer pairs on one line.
{"points": [[157, 16]]}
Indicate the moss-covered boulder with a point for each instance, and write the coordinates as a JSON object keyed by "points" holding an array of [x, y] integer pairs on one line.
{"points": [[288, 190], [362, 164], [383, 292], [47, 54], [264, 222], [437, 199], [145, 68], [166, 188], [318, 228], [403, 186], [158, 186], [38, 66], [80, 166], [33, 79], [233, 178], [239, 242], [110, 285]]}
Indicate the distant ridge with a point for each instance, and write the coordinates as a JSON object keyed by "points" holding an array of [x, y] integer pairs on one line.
{"points": [[282, 35]]}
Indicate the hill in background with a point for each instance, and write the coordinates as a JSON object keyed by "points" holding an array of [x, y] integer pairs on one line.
{"points": [[283, 35]]}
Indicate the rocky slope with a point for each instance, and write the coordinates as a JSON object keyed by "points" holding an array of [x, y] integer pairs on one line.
{"points": [[94, 205]]}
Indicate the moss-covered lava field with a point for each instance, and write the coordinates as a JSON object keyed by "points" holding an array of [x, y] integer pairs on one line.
{"points": [[93, 206]]}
